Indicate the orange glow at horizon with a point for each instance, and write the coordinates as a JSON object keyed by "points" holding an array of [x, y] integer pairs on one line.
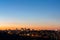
{"points": [[19, 26]]}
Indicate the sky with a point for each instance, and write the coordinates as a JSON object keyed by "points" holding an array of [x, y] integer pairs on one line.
{"points": [[37, 14]]}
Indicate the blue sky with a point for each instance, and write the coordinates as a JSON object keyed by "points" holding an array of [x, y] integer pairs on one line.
{"points": [[30, 11]]}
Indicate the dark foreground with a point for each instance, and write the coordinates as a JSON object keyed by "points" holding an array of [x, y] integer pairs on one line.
{"points": [[29, 35]]}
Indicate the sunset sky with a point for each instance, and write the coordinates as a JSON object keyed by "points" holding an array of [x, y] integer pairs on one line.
{"points": [[35, 14]]}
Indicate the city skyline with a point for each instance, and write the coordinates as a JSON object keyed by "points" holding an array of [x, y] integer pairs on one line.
{"points": [[34, 14]]}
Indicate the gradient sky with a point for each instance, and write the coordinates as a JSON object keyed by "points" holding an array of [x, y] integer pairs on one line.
{"points": [[39, 13]]}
